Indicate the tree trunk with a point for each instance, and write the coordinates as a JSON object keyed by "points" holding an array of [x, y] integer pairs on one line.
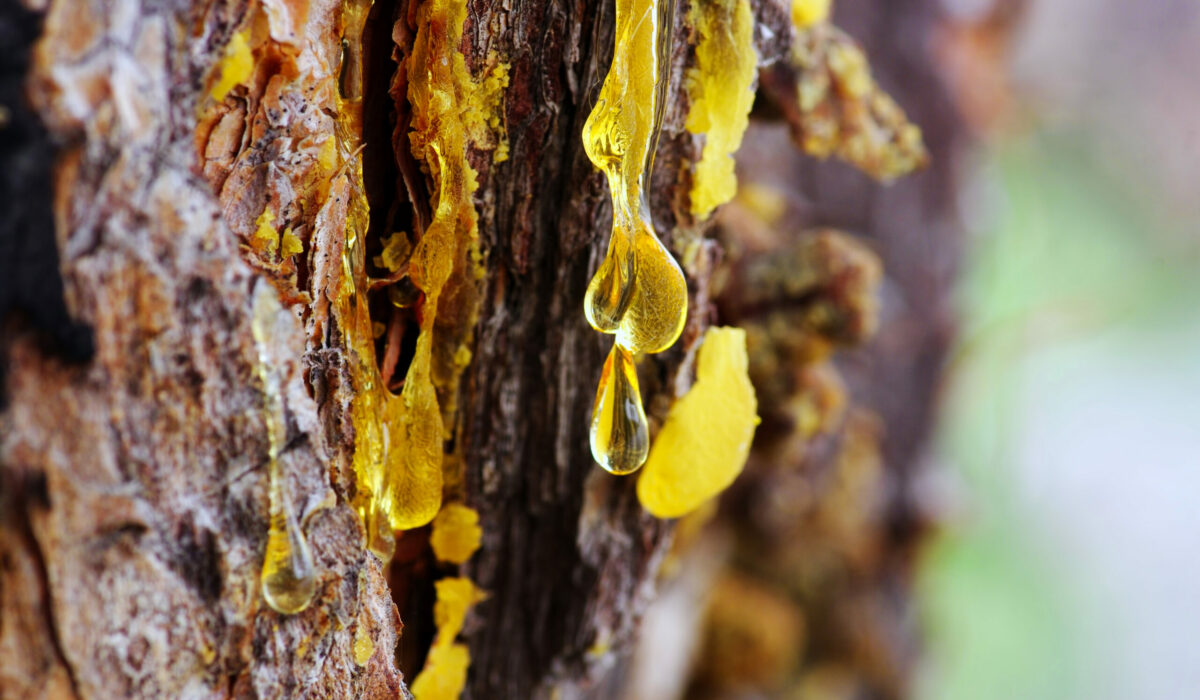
{"points": [[198, 165]]}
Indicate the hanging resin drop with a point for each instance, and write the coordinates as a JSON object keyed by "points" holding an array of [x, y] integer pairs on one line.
{"points": [[611, 289], [381, 539], [639, 292], [288, 575], [620, 438]]}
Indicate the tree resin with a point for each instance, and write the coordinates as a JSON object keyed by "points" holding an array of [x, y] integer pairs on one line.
{"points": [[620, 437], [288, 575], [638, 293]]}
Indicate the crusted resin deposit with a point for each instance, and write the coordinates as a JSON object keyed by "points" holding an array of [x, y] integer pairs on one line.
{"points": [[706, 439]]}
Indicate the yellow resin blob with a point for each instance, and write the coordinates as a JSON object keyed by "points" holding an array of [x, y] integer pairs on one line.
{"points": [[445, 671], [721, 89], [236, 66], [806, 13], [288, 574], [620, 437], [706, 439], [456, 533], [638, 293]]}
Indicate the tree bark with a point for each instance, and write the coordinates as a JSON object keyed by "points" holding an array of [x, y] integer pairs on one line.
{"points": [[134, 459]]}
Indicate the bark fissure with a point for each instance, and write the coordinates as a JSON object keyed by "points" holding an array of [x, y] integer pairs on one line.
{"points": [[19, 518]]}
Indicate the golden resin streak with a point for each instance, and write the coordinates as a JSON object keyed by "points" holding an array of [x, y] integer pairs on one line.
{"points": [[399, 439], [288, 574], [377, 416], [721, 90], [706, 439], [450, 112], [638, 293]]}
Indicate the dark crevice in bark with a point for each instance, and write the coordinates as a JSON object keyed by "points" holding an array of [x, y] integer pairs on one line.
{"points": [[392, 299], [31, 286], [411, 577]]}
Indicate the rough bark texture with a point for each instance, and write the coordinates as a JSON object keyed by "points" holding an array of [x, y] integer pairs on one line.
{"points": [[134, 484]]}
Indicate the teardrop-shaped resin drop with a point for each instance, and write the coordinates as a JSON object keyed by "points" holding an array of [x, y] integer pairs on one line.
{"points": [[620, 437], [656, 313], [288, 575], [381, 538]]}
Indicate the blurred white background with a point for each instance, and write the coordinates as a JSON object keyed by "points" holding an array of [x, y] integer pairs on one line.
{"points": [[1069, 455]]}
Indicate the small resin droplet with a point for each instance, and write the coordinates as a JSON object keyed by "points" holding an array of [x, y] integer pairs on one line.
{"points": [[288, 575], [381, 538], [364, 648], [620, 437], [611, 289]]}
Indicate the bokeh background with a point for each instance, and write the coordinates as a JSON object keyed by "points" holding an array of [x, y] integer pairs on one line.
{"points": [[1067, 459], [1051, 524]]}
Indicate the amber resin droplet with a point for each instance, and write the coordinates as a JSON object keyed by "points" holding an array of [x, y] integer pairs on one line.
{"points": [[288, 576], [381, 539], [620, 437], [638, 291], [611, 289]]}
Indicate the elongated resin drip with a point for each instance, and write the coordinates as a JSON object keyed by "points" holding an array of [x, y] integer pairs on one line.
{"points": [[375, 413], [638, 293], [288, 575]]}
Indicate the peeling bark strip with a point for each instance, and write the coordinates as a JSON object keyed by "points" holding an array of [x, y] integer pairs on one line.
{"points": [[341, 155]]}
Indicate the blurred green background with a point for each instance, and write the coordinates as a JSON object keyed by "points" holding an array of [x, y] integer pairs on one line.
{"points": [[1068, 459]]}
